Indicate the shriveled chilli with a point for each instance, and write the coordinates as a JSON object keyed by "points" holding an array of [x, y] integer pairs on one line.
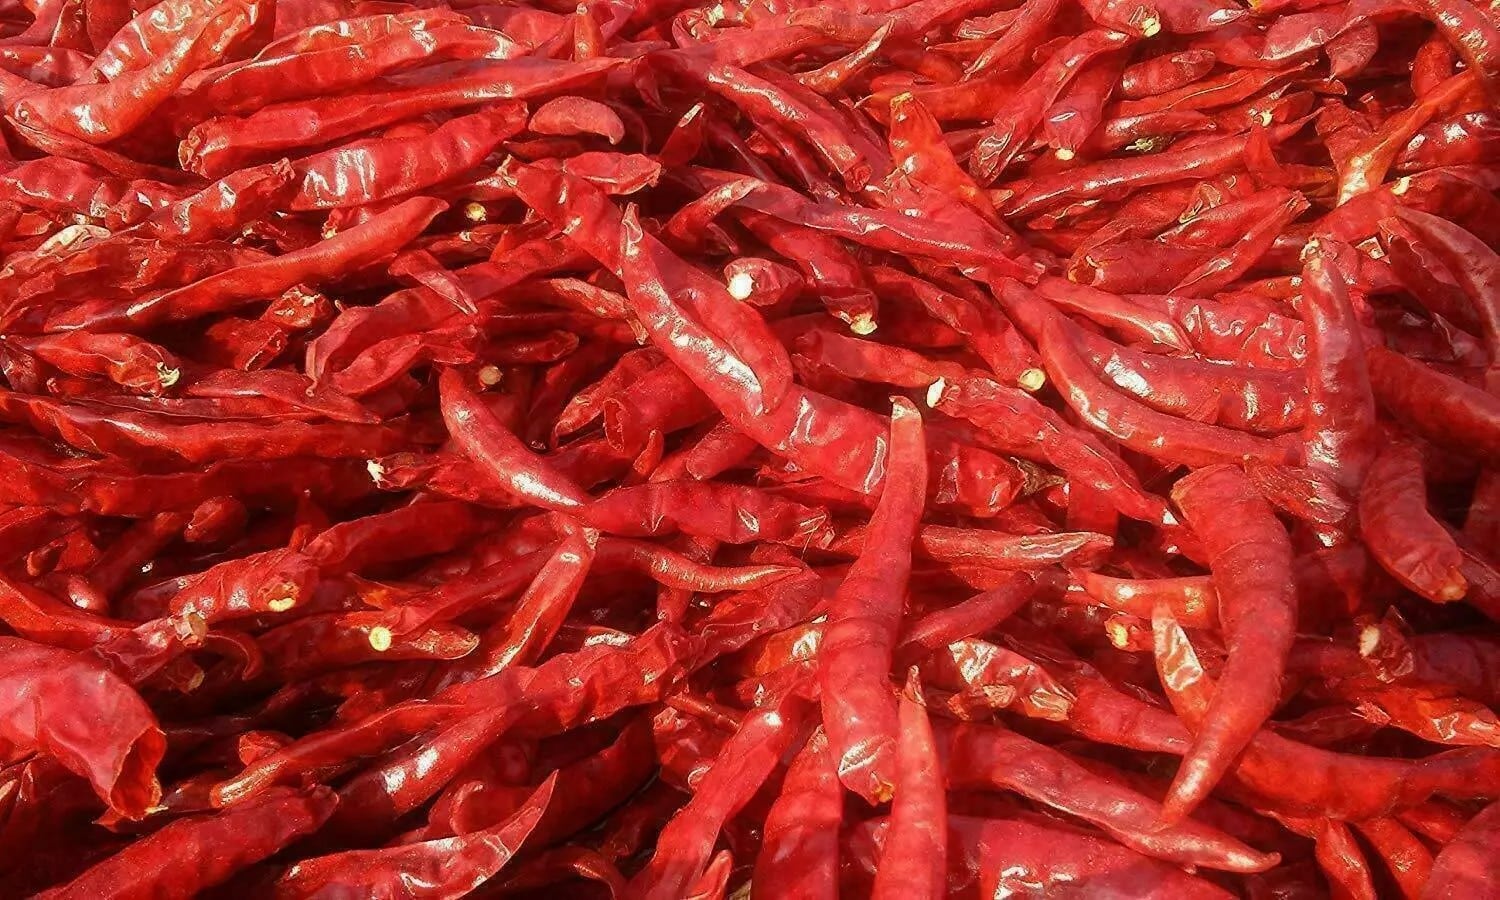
{"points": [[644, 449]]}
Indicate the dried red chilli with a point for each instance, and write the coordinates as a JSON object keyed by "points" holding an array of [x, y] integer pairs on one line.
{"points": [[451, 449], [1250, 564], [915, 853], [860, 715], [170, 862], [98, 113]]}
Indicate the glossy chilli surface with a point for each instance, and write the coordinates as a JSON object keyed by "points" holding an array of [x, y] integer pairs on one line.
{"points": [[662, 449]]}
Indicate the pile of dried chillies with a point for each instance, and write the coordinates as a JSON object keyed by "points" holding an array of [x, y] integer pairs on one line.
{"points": [[778, 448]]}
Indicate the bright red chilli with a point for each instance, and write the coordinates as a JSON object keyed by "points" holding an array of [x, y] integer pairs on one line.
{"points": [[762, 449]]}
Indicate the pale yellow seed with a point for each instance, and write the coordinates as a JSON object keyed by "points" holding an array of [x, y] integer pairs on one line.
{"points": [[1064, 154], [195, 682], [475, 212], [380, 638], [1032, 379], [935, 392], [489, 376], [192, 626], [281, 604], [862, 324], [741, 286], [166, 376], [902, 410]]}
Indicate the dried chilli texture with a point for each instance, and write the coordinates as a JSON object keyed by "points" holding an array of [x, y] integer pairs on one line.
{"points": [[914, 858], [864, 617], [195, 853], [1249, 556], [687, 449], [1401, 534]]}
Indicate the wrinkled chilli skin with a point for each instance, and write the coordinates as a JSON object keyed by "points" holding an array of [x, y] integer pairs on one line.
{"points": [[682, 449]]}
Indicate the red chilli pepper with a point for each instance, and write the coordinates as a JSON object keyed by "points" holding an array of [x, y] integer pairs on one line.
{"points": [[859, 710], [1250, 561]]}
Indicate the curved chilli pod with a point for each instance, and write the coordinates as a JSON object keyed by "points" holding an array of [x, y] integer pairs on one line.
{"points": [[1340, 435], [1250, 560], [199, 852], [447, 867], [859, 706], [685, 847], [914, 860], [841, 441], [801, 844], [1400, 532], [1008, 855], [1462, 868], [442, 506], [78, 712]]}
